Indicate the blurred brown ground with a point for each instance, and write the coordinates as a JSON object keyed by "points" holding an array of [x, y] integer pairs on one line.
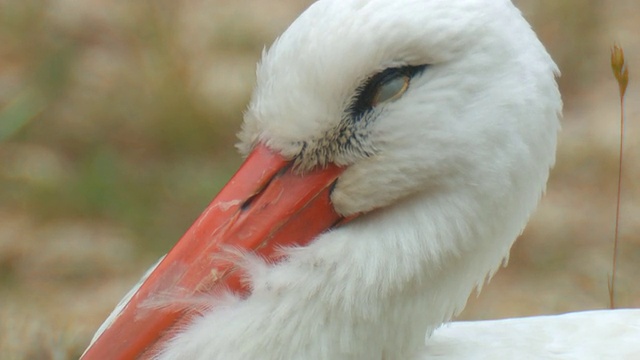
{"points": [[117, 121]]}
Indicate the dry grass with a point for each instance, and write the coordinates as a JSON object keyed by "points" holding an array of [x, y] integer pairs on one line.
{"points": [[116, 129]]}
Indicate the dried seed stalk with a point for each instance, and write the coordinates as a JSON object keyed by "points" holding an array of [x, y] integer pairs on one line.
{"points": [[621, 73]]}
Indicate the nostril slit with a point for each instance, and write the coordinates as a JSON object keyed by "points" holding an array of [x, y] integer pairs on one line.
{"points": [[247, 203]]}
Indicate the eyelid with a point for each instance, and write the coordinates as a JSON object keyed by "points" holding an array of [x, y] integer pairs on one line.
{"points": [[368, 94], [394, 93]]}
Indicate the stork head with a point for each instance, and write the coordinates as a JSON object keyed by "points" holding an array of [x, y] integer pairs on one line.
{"points": [[409, 96], [433, 122]]}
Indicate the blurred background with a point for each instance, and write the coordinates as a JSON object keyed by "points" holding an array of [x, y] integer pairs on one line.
{"points": [[117, 126]]}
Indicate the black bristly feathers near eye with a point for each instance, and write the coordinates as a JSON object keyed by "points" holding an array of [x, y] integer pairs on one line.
{"points": [[350, 137], [387, 85]]}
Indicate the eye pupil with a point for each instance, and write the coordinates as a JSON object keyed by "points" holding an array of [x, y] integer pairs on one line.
{"points": [[391, 90]]}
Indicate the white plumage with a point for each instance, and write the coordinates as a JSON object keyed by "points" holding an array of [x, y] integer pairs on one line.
{"points": [[446, 177], [604, 334]]}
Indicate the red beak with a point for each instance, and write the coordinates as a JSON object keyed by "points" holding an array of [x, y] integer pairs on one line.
{"points": [[264, 207]]}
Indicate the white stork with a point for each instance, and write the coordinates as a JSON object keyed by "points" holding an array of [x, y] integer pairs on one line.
{"points": [[395, 151]]}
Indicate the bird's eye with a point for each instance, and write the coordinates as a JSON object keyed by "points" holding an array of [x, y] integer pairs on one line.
{"points": [[385, 86], [391, 89]]}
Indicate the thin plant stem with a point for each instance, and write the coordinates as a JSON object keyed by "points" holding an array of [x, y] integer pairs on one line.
{"points": [[621, 73], [617, 226]]}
